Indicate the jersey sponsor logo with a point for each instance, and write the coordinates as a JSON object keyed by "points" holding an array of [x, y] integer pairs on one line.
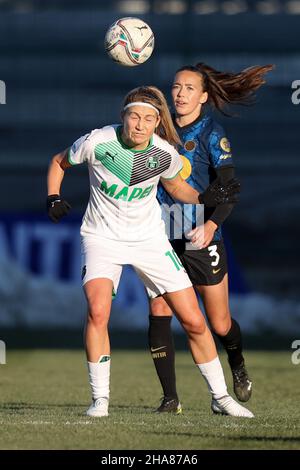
{"points": [[225, 145], [190, 145], [125, 193], [152, 162], [225, 156]]}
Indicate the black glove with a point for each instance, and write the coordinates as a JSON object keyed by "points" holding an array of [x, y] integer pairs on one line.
{"points": [[57, 207], [220, 193]]}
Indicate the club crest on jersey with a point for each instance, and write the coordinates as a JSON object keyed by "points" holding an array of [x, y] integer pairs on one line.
{"points": [[152, 163]]}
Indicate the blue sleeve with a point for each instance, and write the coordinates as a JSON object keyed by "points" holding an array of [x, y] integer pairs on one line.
{"points": [[219, 148]]}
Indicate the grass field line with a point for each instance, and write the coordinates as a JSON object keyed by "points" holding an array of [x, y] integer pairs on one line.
{"points": [[95, 422]]}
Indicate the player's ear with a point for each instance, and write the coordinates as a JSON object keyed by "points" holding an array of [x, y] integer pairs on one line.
{"points": [[204, 97], [158, 122], [122, 115]]}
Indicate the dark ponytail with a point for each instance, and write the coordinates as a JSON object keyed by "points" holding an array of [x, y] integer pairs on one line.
{"points": [[227, 88]]}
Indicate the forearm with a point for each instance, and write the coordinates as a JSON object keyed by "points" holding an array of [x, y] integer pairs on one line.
{"points": [[56, 174], [184, 193], [221, 213]]}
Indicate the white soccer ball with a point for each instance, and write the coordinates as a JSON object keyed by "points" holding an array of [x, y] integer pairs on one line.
{"points": [[129, 41]]}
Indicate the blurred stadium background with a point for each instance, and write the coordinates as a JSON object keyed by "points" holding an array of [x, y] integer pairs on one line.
{"points": [[60, 84]]}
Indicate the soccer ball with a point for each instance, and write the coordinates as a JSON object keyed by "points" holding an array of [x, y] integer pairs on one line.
{"points": [[129, 41]]}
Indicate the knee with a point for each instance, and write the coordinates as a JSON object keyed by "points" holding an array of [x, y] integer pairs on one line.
{"points": [[195, 325], [98, 314], [160, 308], [221, 327]]}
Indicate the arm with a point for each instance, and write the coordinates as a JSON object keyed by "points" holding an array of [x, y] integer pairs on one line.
{"points": [[216, 193], [203, 235], [181, 190], [56, 172], [57, 207], [222, 211]]}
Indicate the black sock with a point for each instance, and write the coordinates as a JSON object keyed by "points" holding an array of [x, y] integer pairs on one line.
{"points": [[232, 342], [163, 353]]}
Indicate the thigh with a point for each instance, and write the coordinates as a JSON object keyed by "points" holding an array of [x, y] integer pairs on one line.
{"points": [[98, 295], [159, 267], [99, 258], [185, 304], [215, 300]]}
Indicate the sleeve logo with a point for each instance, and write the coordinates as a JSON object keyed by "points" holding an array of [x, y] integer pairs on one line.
{"points": [[225, 144]]}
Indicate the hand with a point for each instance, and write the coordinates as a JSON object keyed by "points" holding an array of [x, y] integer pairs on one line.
{"points": [[202, 236], [57, 207], [220, 193]]}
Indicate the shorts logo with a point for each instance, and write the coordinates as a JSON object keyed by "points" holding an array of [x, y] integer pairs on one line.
{"points": [[225, 145], [83, 272], [215, 271], [152, 163]]}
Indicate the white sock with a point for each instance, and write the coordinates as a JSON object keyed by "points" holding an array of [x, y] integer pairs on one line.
{"points": [[99, 374], [213, 373]]}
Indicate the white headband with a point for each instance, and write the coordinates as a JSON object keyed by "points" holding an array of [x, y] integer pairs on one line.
{"points": [[140, 103]]}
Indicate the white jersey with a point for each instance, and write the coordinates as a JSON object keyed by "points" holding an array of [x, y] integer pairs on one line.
{"points": [[123, 184]]}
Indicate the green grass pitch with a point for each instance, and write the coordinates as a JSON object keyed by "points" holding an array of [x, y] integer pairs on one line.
{"points": [[44, 394]]}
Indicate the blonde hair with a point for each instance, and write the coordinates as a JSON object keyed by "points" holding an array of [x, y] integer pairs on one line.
{"points": [[153, 96]]}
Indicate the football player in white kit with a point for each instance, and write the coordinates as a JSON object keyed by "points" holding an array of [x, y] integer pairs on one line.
{"points": [[123, 225]]}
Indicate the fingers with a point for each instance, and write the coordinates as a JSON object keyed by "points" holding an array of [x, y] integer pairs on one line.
{"points": [[192, 232], [58, 210], [197, 236]]}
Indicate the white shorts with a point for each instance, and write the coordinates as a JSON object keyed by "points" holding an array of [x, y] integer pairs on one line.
{"points": [[154, 260]]}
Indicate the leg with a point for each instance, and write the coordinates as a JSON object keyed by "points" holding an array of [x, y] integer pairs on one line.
{"points": [[184, 303], [99, 298], [216, 303], [163, 352], [98, 294], [163, 273]]}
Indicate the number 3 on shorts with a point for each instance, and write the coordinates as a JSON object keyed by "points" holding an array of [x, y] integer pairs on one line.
{"points": [[213, 252], [174, 258]]}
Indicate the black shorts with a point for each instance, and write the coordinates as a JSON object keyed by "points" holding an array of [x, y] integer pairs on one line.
{"points": [[205, 267]]}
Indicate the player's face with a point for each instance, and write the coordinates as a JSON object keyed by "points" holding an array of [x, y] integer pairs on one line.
{"points": [[139, 123], [187, 93]]}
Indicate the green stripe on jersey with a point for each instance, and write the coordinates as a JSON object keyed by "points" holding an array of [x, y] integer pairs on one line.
{"points": [[117, 160]]}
